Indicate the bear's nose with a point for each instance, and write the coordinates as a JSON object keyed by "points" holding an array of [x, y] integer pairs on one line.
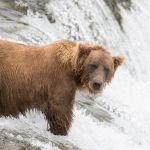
{"points": [[97, 85]]}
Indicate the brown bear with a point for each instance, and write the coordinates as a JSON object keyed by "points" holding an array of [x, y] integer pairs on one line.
{"points": [[46, 78]]}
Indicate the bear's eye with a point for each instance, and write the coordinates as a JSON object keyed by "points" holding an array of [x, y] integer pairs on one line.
{"points": [[93, 66]]}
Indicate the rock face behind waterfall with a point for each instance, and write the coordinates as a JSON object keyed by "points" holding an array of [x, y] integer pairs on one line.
{"points": [[113, 5]]}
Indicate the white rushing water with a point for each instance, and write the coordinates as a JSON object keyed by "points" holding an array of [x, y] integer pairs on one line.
{"points": [[126, 100]]}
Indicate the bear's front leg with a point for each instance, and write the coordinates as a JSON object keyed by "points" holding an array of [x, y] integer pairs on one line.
{"points": [[59, 117]]}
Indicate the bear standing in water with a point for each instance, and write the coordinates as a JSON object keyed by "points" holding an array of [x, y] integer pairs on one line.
{"points": [[46, 78]]}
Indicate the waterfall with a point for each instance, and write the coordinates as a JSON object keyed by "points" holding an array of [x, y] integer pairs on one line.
{"points": [[119, 118]]}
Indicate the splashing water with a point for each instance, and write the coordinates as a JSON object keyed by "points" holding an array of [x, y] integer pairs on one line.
{"points": [[117, 120]]}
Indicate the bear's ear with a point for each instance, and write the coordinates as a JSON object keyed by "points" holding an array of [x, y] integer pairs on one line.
{"points": [[85, 49], [118, 60]]}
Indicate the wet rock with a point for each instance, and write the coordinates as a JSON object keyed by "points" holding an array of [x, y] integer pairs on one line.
{"points": [[94, 108], [113, 5], [38, 6], [9, 142], [23, 6], [125, 3], [14, 5], [50, 17], [11, 139]]}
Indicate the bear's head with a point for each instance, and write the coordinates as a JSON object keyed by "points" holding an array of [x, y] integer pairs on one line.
{"points": [[95, 67]]}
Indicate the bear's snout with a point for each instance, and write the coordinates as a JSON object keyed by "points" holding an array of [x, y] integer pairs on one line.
{"points": [[96, 85]]}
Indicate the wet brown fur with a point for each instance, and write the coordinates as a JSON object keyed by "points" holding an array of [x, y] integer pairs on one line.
{"points": [[44, 78]]}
